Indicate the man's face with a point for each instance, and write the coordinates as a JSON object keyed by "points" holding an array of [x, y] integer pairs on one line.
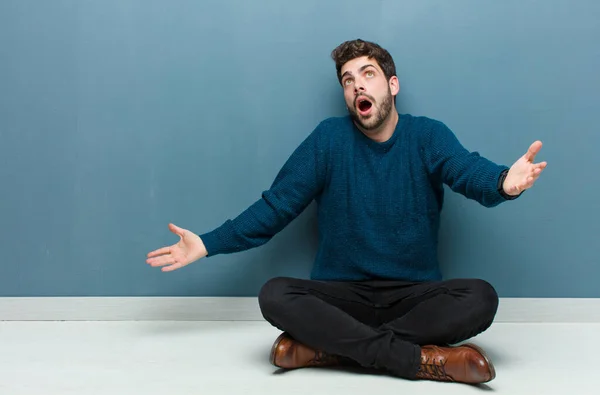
{"points": [[369, 96]]}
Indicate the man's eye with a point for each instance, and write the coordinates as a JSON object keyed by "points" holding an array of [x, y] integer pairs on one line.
{"points": [[348, 81], [370, 74]]}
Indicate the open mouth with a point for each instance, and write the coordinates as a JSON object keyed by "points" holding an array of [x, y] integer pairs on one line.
{"points": [[364, 106]]}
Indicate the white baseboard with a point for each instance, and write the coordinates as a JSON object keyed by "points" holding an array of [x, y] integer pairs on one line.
{"points": [[129, 309], [521, 310], [532, 310]]}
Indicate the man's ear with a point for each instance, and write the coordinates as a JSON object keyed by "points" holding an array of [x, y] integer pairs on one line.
{"points": [[394, 85]]}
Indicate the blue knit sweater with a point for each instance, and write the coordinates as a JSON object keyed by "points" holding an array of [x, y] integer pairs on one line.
{"points": [[378, 203]]}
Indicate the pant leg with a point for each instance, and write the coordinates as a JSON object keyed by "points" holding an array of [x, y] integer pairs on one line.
{"points": [[336, 318], [445, 312]]}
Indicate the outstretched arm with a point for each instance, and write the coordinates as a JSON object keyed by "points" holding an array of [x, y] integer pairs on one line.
{"points": [[296, 185], [472, 175]]}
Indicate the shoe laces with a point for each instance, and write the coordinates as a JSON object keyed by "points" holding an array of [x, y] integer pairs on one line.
{"points": [[433, 369]]}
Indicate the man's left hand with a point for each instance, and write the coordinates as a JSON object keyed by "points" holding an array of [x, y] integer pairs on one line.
{"points": [[523, 173]]}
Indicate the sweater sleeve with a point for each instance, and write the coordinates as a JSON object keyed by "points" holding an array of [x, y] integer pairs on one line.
{"points": [[298, 182], [465, 172]]}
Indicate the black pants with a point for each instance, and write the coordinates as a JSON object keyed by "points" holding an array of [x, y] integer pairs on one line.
{"points": [[379, 324]]}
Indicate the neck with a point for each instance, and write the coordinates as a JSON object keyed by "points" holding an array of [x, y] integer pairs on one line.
{"points": [[385, 131]]}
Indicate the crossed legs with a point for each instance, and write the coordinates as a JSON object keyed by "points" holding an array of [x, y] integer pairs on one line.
{"points": [[379, 324]]}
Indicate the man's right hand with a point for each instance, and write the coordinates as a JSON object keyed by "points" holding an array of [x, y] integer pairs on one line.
{"points": [[190, 248]]}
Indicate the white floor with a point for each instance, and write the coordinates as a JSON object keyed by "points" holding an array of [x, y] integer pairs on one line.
{"points": [[179, 358]]}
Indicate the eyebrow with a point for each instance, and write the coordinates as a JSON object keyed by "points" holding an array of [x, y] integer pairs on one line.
{"points": [[359, 70]]}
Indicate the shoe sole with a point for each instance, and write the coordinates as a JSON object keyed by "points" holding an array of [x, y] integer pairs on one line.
{"points": [[274, 348], [487, 359]]}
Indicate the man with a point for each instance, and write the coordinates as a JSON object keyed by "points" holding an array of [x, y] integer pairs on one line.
{"points": [[375, 297]]}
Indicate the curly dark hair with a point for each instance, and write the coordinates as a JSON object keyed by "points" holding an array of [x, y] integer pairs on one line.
{"points": [[356, 48]]}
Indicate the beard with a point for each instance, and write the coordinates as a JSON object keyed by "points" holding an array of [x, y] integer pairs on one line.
{"points": [[374, 120]]}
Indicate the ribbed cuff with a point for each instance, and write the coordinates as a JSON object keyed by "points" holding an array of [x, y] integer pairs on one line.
{"points": [[219, 241], [491, 180]]}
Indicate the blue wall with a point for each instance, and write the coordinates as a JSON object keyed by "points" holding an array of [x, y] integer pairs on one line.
{"points": [[118, 117]]}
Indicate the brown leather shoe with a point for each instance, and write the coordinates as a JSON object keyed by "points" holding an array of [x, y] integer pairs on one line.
{"points": [[288, 353], [466, 364]]}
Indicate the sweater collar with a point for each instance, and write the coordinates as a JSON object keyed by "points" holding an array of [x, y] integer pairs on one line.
{"points": [[376, 145]]}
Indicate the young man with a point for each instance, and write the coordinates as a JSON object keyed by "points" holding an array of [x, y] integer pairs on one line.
{"points": [[375, 297]]}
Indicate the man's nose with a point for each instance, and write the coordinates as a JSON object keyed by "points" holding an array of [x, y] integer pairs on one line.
{"points": [[359, 86]]}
